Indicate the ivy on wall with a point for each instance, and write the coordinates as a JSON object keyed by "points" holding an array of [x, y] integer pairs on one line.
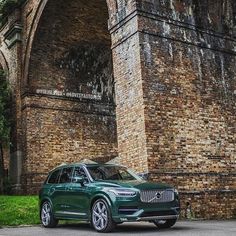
{"points": [[5, 122], [8, 6]]}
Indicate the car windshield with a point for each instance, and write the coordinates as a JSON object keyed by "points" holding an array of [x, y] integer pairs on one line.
{"points": [[112, 173]]}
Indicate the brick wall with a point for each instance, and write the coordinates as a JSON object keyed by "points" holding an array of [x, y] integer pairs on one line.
{"points": [[174, 88], [64, 131], [129, 98], [68, 105], [189, 96]]}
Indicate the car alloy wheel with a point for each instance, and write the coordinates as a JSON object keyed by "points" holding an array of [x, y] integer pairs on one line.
{"points": [[47, 217], [101, 216]]}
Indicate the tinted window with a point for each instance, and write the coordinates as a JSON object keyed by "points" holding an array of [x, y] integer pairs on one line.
{"points": [[53, 179], [111, 173], [79, 172], [66, 175]]}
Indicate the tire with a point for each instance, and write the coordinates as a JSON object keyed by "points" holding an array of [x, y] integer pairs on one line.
{"points": [[164, 224], [101, 219], [46, 216]]}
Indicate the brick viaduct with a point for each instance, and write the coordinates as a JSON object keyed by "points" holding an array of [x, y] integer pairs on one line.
{"points": [[151, 81]]}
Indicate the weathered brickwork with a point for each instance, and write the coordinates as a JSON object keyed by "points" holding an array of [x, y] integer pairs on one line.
{"points": [[129, 105], [69, 98], [64, 131], [150, 80], [209, 205], [189, 96], [71, 55]]}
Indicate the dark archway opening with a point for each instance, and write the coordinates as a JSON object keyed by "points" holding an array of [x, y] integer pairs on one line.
{"points": [[70, 115], [71, 50]]}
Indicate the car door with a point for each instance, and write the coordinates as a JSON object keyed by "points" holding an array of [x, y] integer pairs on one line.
{"points": [[60, 195], [79, 194], [52, 184]]}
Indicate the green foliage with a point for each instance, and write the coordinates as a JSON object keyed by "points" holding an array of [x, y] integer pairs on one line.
{"points": [[7, 6], [4, 123], [4, 109], [19, 210]]}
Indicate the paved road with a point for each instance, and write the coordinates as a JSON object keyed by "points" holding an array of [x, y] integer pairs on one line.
{"points": [[182, 228]]}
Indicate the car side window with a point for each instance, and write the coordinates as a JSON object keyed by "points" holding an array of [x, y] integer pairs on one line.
{"points": [[125, 175], [79, 172], [53, 179], [66, 175]]}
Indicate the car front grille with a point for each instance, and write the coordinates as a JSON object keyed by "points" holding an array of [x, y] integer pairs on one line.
{"points": [[157, 196]]}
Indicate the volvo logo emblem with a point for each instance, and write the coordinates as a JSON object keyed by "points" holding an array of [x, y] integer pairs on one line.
{"points": [[158, 195]]}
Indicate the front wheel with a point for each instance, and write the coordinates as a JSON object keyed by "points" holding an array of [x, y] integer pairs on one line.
{"points": [[46, 216], [164, 224], [101, 217]]}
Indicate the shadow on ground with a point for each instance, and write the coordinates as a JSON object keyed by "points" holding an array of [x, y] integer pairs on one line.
{"points": [[126, 228]]}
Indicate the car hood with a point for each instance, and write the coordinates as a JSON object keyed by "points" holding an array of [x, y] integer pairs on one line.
{"points": [[138, 184]]}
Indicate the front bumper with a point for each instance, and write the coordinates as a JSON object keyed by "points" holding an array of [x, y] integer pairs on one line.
{"points": [[165, 217], [127, 210]]}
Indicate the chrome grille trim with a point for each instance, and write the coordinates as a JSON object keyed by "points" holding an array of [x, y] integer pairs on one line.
{"points": [[157, 195]]}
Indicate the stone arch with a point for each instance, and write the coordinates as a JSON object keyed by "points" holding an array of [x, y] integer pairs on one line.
{"points": [[30, 38], [77, 45], [70, 110], [112, 6]]}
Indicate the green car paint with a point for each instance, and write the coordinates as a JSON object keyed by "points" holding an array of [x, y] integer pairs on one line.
{"points": [[105, 195]]}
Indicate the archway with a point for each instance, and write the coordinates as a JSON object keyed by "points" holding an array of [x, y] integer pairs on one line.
{"points": [[72, 48], [70, 113]]}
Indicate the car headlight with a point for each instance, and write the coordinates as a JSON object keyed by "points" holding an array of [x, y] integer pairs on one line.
{"points": [[120, 192]]}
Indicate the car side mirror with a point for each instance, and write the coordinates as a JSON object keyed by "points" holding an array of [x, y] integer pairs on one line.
{"points": [[143, 176]]}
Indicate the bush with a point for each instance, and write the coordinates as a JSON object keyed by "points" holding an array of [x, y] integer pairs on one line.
{"points": [[8, 6]]}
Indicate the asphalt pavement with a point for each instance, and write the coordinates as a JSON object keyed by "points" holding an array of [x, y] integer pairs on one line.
{"points": [[182, 228]]}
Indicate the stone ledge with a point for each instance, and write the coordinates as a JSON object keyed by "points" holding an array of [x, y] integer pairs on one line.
{"points": [[13, 35], [159, 27], [37, 101]]}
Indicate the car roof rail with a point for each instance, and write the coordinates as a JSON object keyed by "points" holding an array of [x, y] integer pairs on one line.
{"points": [[87, 161], [62, 164]]}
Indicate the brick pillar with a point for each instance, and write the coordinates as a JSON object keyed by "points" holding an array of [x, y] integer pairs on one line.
{"points": [[12, 50], [128, 86], [174, 66]]}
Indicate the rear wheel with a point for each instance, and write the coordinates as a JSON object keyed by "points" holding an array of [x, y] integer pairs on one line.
{"points": [[46, 215], [101, 217], [164, 224]]}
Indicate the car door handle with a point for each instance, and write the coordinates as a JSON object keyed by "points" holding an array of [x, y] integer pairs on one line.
{"points": [[52, 190]]}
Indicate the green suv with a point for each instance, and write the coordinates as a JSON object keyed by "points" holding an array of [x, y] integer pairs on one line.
{"points": [[105, 195]]}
